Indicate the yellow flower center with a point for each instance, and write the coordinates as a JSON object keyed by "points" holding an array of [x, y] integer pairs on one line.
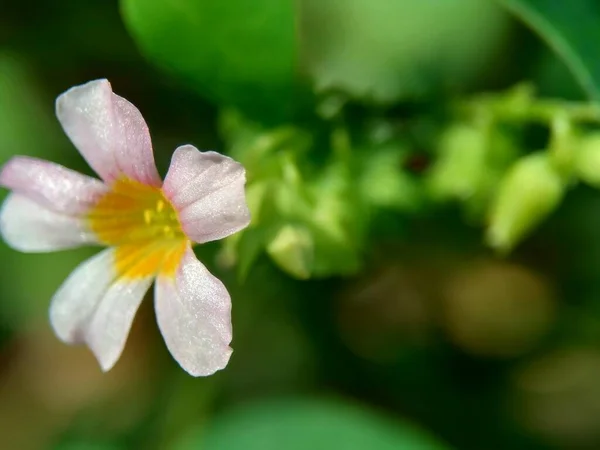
{"points": [[143, 226]]}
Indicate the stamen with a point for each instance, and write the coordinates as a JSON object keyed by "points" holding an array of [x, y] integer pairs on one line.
{"points": [[132, 213]]}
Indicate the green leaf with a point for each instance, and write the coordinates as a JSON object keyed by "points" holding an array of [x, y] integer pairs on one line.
{"points": [[292, 250], [238, 52], [385, 51], [307, 424], [384, 184], [337, 221], [252, 242], [572, 30]]}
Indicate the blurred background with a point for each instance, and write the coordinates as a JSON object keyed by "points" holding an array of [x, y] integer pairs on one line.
{"points": [[423, 266]]}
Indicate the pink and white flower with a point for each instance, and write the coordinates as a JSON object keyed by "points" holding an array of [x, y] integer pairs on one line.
{"points": [[148, 225]]}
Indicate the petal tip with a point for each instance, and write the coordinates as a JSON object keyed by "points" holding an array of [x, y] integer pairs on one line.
{"points": [[105, 366], [63, 100], [106, 360], [205, 370], [10, 170]]}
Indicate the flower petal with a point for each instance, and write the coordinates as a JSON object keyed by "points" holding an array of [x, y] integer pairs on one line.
{"points": [[107, 331], [27, 226], [193, 311], [207, 189], [110, 132], [51, 185], [96, 307]]}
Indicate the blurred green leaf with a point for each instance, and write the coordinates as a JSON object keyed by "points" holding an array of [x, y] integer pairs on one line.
{"points": [[383, 183], [385, 50], [251, 243], [572, 30], [255, 146], [292, 249], [307, 424], [239, 52], [337, 221], [461, 166]]}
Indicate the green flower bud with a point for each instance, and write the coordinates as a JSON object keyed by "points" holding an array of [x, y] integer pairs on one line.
{"points": [[563, 142], [460, 167], [587, 160], [472, 159], [529, 191], [292, 250]]}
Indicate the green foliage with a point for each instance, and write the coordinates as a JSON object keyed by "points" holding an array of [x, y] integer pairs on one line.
{"points": [[375, 49], [381, 183], [572, 30], [314, 219], [251, 54], [307, 424], [292, 249], [471, 159], [238, 52]]}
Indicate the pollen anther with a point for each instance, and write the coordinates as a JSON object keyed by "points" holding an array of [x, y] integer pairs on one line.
{"points": [[132, 213]]}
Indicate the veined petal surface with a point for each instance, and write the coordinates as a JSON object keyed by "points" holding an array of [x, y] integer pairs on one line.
{"points": [[193, 310], [207, 189], [28, 226], [96, 305], [51, 185], [109, 132]]}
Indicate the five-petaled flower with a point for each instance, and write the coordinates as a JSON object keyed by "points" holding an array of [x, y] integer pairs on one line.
{"points": [[148, 225]]}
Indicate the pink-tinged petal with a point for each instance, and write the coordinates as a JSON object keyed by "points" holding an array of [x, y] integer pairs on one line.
{"points": [[108, 329], [28, 226], [207, 189], [78, 297], [136, 158], [193, 310], [51, 185], [109, 132], [95, 307]]}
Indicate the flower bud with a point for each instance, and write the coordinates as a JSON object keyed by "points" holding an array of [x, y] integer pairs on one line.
{"points": [[460, 167], [472, 160], [292, 250], [587, 160], [529, 191]]}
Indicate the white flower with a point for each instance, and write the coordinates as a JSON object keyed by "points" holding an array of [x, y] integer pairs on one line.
{"points": [[148, 225]]}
